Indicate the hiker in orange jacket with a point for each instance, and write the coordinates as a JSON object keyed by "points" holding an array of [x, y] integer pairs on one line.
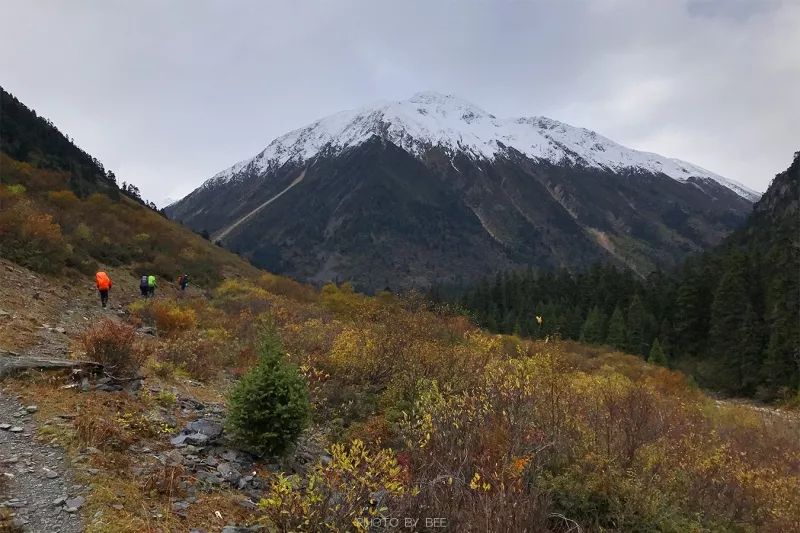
{"points": [[103, 285]]}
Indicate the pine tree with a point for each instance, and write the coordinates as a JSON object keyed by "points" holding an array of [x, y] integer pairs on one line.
{"points": [[689, 319], [657, 355], [781, 369], [750, 352], [665, 335], [727, 310], [594, 327], [637, 326], [617, 330]]}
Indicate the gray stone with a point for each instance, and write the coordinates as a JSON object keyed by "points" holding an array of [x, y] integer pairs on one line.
{"points": [[248, 504], [147, 330], [73, 504], [5, 426], [32, 408], [180, 506], [228, 472], [211, 428], [14, 503], [174, 458], [17, 429], [59, 501]]}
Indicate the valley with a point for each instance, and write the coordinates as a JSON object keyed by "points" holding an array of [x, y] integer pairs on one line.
{"points": [[249, 400]]}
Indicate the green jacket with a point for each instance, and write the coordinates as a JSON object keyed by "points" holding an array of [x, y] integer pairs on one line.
{"points": [[151, 281]]}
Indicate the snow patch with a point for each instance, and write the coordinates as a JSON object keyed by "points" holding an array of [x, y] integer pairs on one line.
{"points": [[430, 119]]}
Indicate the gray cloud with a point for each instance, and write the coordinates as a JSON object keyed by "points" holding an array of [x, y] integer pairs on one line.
{"points": [[168, 93]]}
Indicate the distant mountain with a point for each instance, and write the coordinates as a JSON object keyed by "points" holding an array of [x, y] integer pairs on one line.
{"points": [[434, 189]]}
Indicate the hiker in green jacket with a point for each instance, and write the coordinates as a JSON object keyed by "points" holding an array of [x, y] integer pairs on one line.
{"points": [[151, 285]]}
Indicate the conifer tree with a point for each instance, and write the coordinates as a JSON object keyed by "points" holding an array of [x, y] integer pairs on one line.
{"points": [[594, 327], [665, 336], [727, 311], [657, 355], [617, 330], [689, 324], [750, 353], [637, 326]]}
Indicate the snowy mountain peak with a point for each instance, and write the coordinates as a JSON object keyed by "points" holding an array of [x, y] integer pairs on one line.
{"points": [[433, 120]]}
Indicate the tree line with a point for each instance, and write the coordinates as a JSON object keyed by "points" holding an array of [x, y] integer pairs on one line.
{"points": [[730, 317]]}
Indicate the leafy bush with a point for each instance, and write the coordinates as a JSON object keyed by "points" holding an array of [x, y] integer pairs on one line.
{"points": [[269, 407], [29, 237], [200, 354], [167, 316], [353, 478], [111, 344]]}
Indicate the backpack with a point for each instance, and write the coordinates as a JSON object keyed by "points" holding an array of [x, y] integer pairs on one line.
{"points": [[103, 281], [143, 282]]}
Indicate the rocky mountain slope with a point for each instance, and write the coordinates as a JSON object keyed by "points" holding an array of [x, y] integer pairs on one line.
{"points": [[435, 189]]}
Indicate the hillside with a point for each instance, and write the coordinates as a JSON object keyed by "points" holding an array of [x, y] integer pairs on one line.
{"points": [[28, 137], [61, 210], [730, 317], [436, 190], [445, 420]]}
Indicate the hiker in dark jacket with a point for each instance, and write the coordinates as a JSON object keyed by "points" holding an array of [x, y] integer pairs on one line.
{"points": [[143, 286], [183, 281]]}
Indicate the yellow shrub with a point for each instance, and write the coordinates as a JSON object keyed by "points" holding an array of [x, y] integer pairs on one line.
{"points": [[339, 494], [167, 316]]}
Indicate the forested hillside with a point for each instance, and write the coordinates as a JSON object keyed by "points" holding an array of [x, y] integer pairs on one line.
{"points": [[60, 209], [36, 140], [730, 317]]}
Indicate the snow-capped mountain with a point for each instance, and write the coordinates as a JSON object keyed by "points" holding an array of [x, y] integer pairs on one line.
{"points": [[435, 189], [430, 119]]}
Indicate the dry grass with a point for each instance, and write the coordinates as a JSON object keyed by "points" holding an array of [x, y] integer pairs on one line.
{"points": [[112, 344]]}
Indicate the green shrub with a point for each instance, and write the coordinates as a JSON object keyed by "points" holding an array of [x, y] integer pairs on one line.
{"points": [[269, 407]]}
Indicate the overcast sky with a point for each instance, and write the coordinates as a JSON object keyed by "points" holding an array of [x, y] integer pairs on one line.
{"points": [[166, 94]]}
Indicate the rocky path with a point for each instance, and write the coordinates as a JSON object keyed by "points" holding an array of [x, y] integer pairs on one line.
{"points": [[38, 490], [41, 492]]}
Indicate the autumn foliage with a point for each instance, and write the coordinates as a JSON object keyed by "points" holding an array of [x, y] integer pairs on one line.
{"points": [[112, 344], [45, 226], [427, 415]]}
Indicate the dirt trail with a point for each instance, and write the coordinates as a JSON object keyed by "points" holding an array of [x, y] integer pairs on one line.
{"points": [[42, 494], [40, 317]]}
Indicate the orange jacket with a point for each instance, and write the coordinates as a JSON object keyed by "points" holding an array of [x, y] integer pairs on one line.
{"points": [[103, 281]]}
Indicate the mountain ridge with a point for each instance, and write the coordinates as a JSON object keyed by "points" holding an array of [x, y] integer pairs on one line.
{"points": [[431, 119], [434, 189]]}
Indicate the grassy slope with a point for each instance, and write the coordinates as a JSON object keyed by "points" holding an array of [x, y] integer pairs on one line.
{"points": [[46, 227]]}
